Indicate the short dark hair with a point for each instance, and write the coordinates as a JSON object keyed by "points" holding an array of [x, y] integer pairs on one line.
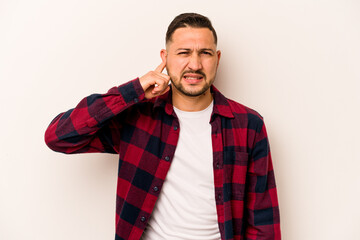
{"points": [[194, 20]]}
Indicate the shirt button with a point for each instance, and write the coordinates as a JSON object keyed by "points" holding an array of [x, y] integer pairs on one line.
{"points": [[219, 196], [175, 128], [156, 189], [136, 100], [217, 165], [143, 219], [167, 158]]}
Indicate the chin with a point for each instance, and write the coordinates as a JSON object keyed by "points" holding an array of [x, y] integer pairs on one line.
{"points": [[187, 91]]}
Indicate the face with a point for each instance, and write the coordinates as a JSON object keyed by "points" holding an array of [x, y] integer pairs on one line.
{"points": [[191, 60]]}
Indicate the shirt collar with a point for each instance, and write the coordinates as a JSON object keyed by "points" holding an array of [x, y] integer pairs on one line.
{"points": [[221, 103]]}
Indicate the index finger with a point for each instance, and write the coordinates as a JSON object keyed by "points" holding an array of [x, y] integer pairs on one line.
{"points": [[161, 67]]}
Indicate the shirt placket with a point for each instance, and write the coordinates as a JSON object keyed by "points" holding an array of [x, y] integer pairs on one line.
{"points": [[217, 145], [162, 170]]}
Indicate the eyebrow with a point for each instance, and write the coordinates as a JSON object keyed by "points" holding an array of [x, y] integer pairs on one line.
{"points": [[201, 49]]}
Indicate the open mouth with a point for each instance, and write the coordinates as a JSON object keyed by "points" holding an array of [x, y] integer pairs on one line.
{"points": [[193, 78]]}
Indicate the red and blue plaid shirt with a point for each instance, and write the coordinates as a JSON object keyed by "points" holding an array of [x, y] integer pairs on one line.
{"points": [[145, 133]]}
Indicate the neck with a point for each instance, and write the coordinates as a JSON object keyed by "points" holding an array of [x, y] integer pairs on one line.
{"points": [[191, 104]]}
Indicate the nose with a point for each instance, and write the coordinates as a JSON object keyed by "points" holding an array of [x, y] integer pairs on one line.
{"points": [[195, 62]]}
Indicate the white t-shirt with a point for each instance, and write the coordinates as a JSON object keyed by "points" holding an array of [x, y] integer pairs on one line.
{"points": [[186, 207]]}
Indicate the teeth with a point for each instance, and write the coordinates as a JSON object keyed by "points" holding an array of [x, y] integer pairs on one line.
{"points": [[193, 77]]}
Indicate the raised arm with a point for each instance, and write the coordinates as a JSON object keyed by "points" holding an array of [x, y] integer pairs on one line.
{"points": [[91, 125]]}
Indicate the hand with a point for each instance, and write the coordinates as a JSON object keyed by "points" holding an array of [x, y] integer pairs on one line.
{"points": [[161, 80]]}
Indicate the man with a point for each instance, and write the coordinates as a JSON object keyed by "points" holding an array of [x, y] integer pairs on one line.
{"points": [[193, 164]]}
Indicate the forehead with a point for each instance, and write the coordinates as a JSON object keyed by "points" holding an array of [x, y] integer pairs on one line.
{"points": [[189, 37]]}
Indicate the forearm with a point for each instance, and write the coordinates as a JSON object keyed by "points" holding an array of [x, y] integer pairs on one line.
{"points": [[77, 129]]}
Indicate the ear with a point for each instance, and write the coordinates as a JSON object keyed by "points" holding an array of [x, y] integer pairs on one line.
{"points": [[218, 55], [163, 55]]}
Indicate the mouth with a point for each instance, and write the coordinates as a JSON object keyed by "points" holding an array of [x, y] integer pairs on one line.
{"points": [[193, 78]]}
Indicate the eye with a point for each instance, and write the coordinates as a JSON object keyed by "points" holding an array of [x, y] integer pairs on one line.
{"points": [[183, 53], [207, 53]]}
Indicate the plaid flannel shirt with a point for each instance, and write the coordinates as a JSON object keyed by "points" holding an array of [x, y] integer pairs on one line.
{"points": [[145, 133]]}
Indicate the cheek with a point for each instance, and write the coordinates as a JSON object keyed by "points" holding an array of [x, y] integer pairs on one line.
{"points": [[210, 65], [176, 64]]}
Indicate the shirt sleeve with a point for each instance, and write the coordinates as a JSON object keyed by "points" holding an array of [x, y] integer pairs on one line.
{"points": [[89, 127], [262, 207]]}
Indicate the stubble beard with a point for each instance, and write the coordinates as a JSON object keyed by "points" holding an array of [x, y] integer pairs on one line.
{"points": [[194, 93]]}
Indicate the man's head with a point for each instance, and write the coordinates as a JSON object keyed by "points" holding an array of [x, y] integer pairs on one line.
{"points": [[192, 20], [191, 54]]}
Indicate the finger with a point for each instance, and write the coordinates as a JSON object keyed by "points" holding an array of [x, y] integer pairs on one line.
{"points": [[165, 76], [160, 92], [160, 78], [166, 90], [161, 67], [160, 86]]}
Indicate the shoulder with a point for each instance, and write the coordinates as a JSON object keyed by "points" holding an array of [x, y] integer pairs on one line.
{"points": [[241, 115], [239, 108], [254, 120]]}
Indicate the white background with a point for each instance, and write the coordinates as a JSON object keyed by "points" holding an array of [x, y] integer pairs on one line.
{"points": [[295, 62]]}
